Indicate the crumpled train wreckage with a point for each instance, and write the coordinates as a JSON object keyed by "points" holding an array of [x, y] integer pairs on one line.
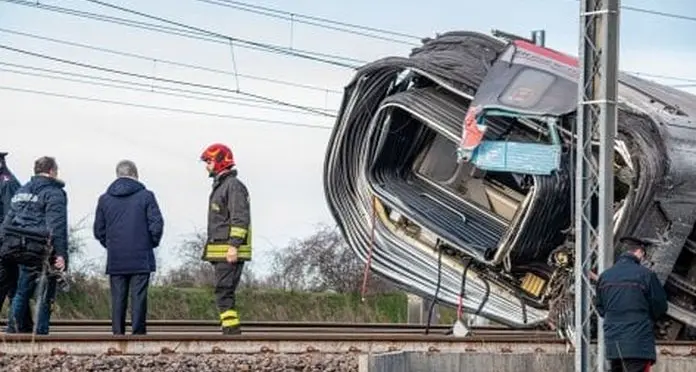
{"points": [[454, 169]]}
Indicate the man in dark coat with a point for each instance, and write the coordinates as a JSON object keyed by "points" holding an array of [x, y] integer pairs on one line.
{"points": [[34, 233], [129, 224], [630, 298], [8, 186]]}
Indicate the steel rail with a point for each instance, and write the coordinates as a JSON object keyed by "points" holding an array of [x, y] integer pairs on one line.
{"points": [[286, 324], [212, 327], [295, 331], [293, 343], [519, 338]]}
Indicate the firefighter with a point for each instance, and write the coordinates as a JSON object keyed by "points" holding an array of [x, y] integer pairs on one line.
{"points": [[229, 231]]}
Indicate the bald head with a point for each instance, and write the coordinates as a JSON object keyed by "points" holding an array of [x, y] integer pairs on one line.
{"points": [[126, 168]]}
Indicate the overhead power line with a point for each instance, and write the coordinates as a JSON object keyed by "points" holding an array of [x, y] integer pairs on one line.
{"points": [[300, 18], [269, 47], [199, 35], [170, 62], [658, 13], [320, 19], [304, 18], [660, 76], [173, 81], [163, 108], [145, 88], [309, 20]]}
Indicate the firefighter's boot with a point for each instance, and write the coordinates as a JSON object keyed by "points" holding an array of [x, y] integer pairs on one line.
{"points": [[231, 330], [230, 322]]}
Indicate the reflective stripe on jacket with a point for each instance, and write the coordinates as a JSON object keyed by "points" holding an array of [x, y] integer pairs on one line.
{"points": [[229, 219]]}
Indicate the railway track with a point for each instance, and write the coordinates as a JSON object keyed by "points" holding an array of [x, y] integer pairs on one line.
{"points": [[93, 337], [309, 328]]}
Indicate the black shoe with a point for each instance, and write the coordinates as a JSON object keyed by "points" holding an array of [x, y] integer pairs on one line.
{"points": [[231, 330]]}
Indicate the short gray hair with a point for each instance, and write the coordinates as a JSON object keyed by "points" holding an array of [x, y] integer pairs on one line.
{"points": [[126, 168]]}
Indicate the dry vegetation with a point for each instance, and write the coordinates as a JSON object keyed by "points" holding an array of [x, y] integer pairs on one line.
{"points": [[317, 278]]}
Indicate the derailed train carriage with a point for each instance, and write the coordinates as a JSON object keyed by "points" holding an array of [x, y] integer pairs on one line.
{"points": [[453, 169]]}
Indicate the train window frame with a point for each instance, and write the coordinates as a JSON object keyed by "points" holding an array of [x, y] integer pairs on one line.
{"points": [[515, 84]]}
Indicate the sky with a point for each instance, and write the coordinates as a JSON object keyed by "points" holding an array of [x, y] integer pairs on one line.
{"points": [[278, 156]]}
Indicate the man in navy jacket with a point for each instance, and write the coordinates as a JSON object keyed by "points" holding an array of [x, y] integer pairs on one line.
{"points": [[630, 298], [129, 224], [8, 186], [37, 220]]}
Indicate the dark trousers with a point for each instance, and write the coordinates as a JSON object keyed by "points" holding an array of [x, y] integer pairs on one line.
{"points": [[17, 322], [630, 365], [20, 315], [227, 277], [121, 285], [12, 255]]}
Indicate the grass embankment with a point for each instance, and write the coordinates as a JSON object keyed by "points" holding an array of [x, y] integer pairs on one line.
{"points": [[91, 300]]}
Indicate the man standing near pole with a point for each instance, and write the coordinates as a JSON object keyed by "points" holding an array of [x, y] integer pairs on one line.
{"points": [[229, 232], [630, 298]]}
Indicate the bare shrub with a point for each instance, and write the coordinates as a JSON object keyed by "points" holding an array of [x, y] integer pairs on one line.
{"points": [[322, 262]]}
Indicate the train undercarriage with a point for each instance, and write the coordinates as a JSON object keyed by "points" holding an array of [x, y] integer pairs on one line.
{"points": [[453, 169]]}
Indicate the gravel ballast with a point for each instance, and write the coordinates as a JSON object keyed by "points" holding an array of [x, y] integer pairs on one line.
{"points": [[182, 362]]}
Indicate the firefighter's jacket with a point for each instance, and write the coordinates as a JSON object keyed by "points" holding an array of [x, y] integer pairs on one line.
{"points": [[229, 219]]}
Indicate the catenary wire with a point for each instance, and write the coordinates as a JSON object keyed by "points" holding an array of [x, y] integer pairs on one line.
{"points": [[188, 33], [261, 78], [249, 7], [659, 13], [228, 98], [173, 81], [656, 12], [146, 88], [297, 17], [169, 62], [163, 108], [293, 17], [314, 56], [319, 19], [666, 77], [265, 46]]}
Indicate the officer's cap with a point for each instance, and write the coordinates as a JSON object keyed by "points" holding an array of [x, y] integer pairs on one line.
{"points": [[635, 242], [3, 154]]}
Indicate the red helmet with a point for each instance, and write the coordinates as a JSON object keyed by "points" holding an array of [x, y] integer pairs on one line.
{"points": [[221, 155]]}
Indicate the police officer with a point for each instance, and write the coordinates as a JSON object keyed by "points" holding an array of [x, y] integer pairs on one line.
{"points": [[229, 231], [8, 187], [35, 230], [631, 299]]}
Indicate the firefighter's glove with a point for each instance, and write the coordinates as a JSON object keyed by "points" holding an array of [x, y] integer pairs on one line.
{"points": [[231, 255]]}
